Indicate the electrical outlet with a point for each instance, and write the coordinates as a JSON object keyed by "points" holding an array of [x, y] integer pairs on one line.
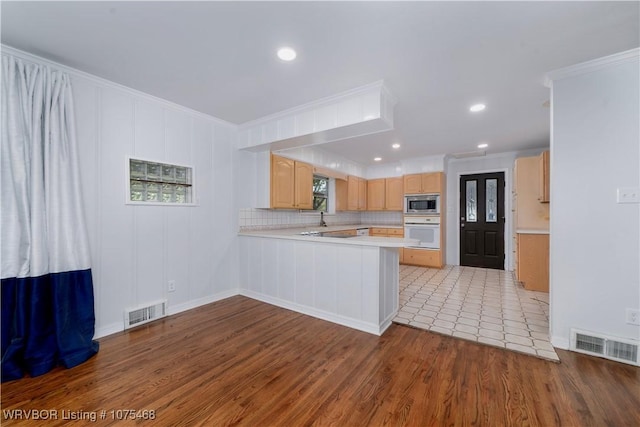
{"points": [[633, 316], [628, 195], [171, 286]]}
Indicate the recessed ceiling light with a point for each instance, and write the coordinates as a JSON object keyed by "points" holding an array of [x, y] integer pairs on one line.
{"points": [[483, 145], [477, 107], [396, 146], [377, 159], [286, 54]]}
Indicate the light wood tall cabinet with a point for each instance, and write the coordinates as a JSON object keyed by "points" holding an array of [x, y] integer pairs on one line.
{"points": [[291, 184], [531, 219], [385, 194], [431, 183]]}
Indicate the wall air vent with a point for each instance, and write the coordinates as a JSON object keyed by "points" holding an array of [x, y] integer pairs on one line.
{"points": [[146, 314], [617, 349]]}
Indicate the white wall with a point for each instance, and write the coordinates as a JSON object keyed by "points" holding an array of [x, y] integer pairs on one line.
{"points": [[503, 162], [595, 242], [135, 250], [407, 166]]}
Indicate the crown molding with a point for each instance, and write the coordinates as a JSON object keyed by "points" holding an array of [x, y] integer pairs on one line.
{"points": [[34, 59], [591, 66]]}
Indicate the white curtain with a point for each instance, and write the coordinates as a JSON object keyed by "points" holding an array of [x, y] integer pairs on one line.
{"points": [[43, 229], [47, 291]]}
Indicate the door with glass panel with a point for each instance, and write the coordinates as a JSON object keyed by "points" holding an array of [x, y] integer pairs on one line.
{"points": [[482, 220]]}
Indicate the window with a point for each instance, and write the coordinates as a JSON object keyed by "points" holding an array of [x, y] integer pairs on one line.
{"points": [[320, 193], [159, 183]]}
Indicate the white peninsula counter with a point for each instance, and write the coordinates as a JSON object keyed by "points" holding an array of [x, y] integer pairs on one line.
{"points": [[350, 281]]}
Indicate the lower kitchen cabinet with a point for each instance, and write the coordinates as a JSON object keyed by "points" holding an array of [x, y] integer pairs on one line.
{"points": [[422, 257], [386, 232], [532, 268]]}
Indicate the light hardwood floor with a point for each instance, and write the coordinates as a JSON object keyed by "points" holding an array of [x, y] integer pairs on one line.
{"points": [[243, 362]]}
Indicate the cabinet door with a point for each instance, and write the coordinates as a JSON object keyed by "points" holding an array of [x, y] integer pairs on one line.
{"points": [[394, 194], [376, 194], [533, 261], [431, 182], [341, 195], [378, 232], [352, 193], [362, 194], [422, 257], [395, 232], [282, 182], [413, 183], [303, 185]]}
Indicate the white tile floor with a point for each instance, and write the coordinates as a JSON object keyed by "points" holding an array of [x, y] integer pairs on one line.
{"points": [[477, 304]]}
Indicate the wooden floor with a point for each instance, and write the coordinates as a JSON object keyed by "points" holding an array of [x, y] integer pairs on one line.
{"points": [[243, 362]]}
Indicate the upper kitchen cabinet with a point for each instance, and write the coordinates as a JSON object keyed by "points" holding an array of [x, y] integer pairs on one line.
{"points": [[545, 177], [356, 193], [291, 184], [529, 213], [422, 183], [385, 194]]}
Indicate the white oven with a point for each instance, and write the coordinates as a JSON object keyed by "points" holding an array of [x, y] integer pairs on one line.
{"points": [[424, 228]]}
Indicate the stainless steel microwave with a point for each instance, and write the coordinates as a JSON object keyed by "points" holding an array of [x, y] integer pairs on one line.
{"points": [[422, 204]]}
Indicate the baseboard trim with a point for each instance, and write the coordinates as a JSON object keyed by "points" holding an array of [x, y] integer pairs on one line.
{"points": [[179, 308], [114, 328], [318, 314]]}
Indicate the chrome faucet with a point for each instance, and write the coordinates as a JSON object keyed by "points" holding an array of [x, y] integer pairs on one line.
{"points": [[322, 223]]}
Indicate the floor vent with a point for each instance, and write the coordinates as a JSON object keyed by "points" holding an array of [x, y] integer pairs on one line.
{"points": [[617, 349], [146, 314]]}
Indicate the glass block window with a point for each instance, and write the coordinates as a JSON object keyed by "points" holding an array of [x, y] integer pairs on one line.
{"points": [[159, 183]]}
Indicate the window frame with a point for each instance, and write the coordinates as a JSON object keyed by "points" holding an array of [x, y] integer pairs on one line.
{"points": [[326, 195], [128, 179]]}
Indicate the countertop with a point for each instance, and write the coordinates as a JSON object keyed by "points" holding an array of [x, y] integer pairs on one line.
{"points": [[294, 234], [531, 231]]}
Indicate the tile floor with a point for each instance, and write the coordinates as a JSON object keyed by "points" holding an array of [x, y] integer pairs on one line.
{"points": [[477, 304]]}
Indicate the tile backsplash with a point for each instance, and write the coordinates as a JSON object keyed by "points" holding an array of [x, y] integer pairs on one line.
{"points": [[263, 219]]}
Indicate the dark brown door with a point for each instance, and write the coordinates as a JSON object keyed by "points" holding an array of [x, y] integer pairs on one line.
{"points": [[482, 220]]}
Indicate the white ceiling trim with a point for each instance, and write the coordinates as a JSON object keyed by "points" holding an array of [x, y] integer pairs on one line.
{"points": [[591, 66], [34, 59]]}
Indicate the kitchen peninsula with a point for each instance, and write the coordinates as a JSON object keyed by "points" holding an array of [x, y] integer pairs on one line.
{"points": [[352, 281]]}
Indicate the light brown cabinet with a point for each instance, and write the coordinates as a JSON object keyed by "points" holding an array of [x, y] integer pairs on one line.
{"points": [[422, 183], [356, 193], [532, 264], [376, 194], [394, 194], [544, 177], [291, 184], [385, 194], [341, 195], [386, 232], [531, 218], [529, 212], [422, 257]]}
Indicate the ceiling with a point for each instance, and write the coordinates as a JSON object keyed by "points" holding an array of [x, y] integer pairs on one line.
{"points": [[436, 58]]}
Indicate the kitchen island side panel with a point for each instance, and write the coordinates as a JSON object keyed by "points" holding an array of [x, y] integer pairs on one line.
{"points": [[352, 285]]}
